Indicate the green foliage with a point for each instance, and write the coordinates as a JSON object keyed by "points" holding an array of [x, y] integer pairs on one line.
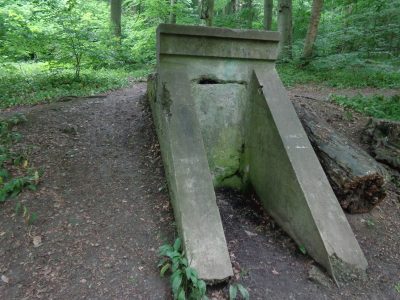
{"points": [[340, 75], [38, 83], [184, 279], [397, 287], [376, 106], [233, 291], [15, 175]]}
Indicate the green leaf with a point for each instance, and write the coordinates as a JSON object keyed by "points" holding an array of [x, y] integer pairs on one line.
{"points": [[244, 292], [181, 295], [303, 249], [164, 269], [191, 274], [201, 285], [177, 244], [176, 283], [232, 292], [32, 218], [18, 208]]}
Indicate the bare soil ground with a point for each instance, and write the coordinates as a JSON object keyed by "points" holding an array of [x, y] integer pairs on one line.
{"points": [[103, 211]]}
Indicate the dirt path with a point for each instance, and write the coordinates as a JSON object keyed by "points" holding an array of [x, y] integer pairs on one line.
{"points": [[103, 212], [102, 215]]}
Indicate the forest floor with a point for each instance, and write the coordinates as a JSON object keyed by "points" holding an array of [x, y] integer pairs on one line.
{"points": [[103, 211]]}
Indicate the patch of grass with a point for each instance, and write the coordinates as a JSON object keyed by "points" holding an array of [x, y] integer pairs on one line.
{"points": [[376, 106], [339, 76], [185, 281], [32, 83]]}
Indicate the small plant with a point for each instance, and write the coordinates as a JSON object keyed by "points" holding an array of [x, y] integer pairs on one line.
{"points": [[29, 217], [15, 175], [397, 287], [185, 281], [370, 223], [233, 291]]}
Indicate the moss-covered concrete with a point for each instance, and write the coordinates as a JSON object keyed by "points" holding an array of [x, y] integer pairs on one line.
{"points": [[220, 110]]}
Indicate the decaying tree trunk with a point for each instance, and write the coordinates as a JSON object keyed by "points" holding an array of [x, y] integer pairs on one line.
{"points": [[383, 136], [356, 178]]}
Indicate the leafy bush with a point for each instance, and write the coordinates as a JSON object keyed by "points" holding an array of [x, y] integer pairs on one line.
{"points": [[376, 106]]}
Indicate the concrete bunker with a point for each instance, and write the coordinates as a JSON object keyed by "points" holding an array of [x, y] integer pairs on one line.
{"points": [[223, 119]]}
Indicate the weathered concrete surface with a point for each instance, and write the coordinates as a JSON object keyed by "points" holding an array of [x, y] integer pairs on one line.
{"points": [[286, 174], [220, 123], [189, 177]]}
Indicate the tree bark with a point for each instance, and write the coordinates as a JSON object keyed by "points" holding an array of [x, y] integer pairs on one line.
{"points": [[116, 11], [285, 28], [172, 15], [207, 11], [356, 178], [383, 137], [312, 29], [268, 5], [248, 5], [230, 7]]}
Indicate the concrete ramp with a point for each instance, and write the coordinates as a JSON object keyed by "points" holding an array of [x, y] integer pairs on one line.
{"points": [[223, 119]]}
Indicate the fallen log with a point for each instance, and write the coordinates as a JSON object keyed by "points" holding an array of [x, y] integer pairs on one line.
{"points": [[356, 178], [383, 138]]}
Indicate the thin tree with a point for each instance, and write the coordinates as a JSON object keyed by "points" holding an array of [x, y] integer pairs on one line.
{"points": [[172, 15], [312, 29], [116, 11], [207, 11], [285, 27], [230, 7], [268, 5], [248, 5]]}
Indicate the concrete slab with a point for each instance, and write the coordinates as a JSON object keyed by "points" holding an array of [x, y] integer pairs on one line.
{"points": [[189, 177], [291, 183]]}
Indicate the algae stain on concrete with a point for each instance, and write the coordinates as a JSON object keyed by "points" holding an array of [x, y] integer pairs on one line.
{"points": [[220, 110]]}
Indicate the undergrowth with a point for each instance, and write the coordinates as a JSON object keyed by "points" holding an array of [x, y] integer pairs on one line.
{"points": [[342, 73], [22, 84], [185, 281], [15, 172], [376, 106]]}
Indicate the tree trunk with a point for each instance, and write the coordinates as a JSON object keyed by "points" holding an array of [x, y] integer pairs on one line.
{"points": [[207, 11], [312, 29], [230, 7], [285, 28], [268, 5], [356, 178], [172, 15], [383, 137], [248, 5], [116, 11]]}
